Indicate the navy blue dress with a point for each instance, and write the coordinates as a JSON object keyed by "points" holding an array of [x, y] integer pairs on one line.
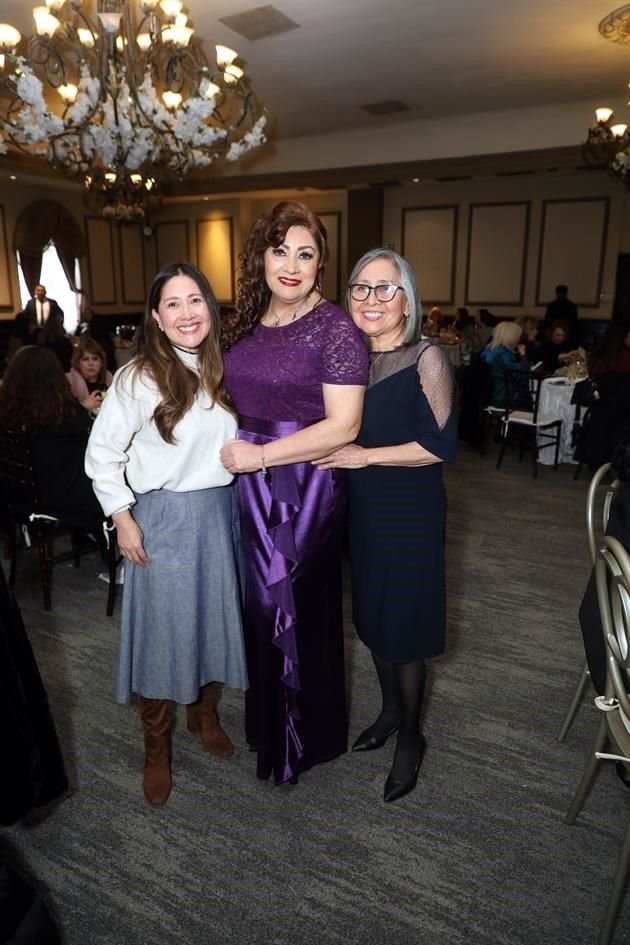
{"points": [[397, 513]]}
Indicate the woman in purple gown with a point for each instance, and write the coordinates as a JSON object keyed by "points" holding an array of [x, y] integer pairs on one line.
{"points": [[297, 369]]}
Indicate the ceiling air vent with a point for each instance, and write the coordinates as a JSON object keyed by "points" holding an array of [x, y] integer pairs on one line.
{"points": [[385, 108], [259, 23]]}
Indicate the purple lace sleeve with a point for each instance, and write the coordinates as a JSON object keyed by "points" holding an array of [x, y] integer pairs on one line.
{"points": [[345, 358]]}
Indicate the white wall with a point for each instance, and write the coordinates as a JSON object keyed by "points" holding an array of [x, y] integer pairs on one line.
{"points": [[522, 129]]}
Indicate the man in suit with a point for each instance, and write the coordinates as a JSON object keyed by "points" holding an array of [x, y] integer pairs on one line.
{"points": [[40, 307], [562, 309]]}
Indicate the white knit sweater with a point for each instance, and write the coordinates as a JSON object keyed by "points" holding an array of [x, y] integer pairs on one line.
{"points": [[127, 455]]}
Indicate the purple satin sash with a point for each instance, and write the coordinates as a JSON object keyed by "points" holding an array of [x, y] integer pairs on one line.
{"points": [[286, 517]]}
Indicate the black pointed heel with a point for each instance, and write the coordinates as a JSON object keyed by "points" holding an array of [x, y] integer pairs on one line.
{"points": [[368, 742], [395, 788]]}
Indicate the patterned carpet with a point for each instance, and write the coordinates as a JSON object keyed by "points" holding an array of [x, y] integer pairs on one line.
{"points": [[478, 855]]}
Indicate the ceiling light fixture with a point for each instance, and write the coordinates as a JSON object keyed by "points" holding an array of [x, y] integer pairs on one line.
{"points": [[128, 92], [608, 140]]}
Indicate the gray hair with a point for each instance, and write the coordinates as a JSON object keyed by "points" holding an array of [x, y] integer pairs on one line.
{"points": [[408, 281]]}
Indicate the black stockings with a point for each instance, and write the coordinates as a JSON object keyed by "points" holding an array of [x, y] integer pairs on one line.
{"points": [[402, 689], [410, 682]]}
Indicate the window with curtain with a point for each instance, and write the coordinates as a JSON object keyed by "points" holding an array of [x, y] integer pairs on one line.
{"points": [[54, 278], [48, 243]]}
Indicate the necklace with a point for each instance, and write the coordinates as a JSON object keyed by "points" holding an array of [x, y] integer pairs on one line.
{"points": [[277, 319]]}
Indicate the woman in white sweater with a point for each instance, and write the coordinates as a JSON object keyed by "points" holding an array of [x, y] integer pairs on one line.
{"points": [[154, 458]]}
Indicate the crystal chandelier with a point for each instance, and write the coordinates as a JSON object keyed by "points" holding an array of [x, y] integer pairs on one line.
{"points": [[123, 97]]}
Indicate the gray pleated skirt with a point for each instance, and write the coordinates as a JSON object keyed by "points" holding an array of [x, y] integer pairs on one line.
{"points": [[181, 615]]}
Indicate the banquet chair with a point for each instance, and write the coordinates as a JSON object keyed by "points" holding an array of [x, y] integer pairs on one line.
{"points": [[24, 514], [598, 491], [580, 419], [490, 415], [535, 431], [612, 742]]}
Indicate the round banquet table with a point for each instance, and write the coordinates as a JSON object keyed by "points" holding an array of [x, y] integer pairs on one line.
{"points": [[555, 400]]}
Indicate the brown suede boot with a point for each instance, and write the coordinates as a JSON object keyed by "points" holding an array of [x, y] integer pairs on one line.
{"points": [[202, 718], [156, 715]]}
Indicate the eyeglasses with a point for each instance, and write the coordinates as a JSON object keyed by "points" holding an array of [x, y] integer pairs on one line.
{"points": [[382, 293]]}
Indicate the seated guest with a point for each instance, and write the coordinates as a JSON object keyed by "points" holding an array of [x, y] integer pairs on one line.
{"points": [[35, 398], [23, 333], [433, 323], [485, 325], [504, 351], [89, 378], [53, 337], [466, 328], [530, 337], [612, 356], [95, 326], [24, 328], [557, 350]]}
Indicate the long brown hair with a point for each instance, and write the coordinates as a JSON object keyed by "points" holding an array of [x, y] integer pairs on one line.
{"points": [[177, 384], [35, 393], [89, 346], [269, 230]]}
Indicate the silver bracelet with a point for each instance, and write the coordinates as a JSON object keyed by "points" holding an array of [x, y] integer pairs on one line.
{"points": [[263, 468]]}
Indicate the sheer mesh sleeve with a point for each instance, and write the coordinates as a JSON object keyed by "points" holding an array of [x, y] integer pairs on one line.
{"points": [[437, 382], [345, 358]]}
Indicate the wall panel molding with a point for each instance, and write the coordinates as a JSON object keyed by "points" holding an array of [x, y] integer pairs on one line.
{"points": [[572, 248], [331, 286], [6, 287], [100, 260], [496, 254], [215, 255], [172, 242], [429, 244], [132, 263]]}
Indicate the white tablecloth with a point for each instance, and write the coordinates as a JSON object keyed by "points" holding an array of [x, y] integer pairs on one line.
{"points": [[555, 400]]}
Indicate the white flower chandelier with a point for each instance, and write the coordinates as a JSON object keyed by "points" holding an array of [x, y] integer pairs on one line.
{"points": [[135, 95]]}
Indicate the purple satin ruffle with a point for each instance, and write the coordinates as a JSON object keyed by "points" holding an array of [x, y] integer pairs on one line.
{"points": [[285, 518]]}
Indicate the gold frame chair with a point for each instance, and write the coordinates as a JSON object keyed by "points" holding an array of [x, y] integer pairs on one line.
{"points": [[594, 538], [612, 742]]}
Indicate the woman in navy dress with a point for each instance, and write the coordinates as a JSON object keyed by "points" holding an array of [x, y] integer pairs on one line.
{"points": [[398, 504]]}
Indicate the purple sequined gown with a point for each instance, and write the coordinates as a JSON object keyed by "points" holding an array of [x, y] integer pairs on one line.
{"points": [[291, 523]]}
